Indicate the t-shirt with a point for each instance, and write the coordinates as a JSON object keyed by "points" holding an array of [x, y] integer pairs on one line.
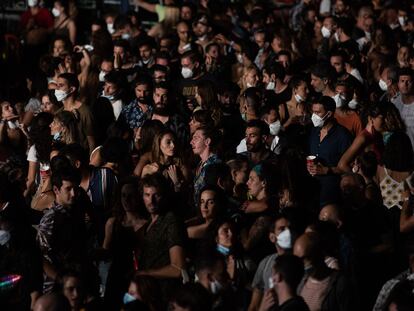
{"points": [[263, 273], [33, 106], [351, 122], [407, 114], [294, 304]]}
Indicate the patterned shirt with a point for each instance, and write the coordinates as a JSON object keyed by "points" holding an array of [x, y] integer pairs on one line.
{"points": [[380, 304], [134, 115], [199, 179]]}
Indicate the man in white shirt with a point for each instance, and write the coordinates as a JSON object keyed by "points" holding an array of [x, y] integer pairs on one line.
{"points": [[405, 100]]}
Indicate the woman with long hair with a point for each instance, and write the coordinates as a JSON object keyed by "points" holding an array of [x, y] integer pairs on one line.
{"points": [[165, 159], [212, 207], [39, 152], [64, 25], [123, 234], [206, 97], [64, 128], [49, 102]]}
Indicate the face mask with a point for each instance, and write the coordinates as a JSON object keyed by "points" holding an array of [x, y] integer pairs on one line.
{"points": [[249, 85], [32, 3], [147, 61], [317, 120], [270, 86], [109, 97], [110, 28], [202, 38], [298, 98], [186, 73], [355, 169], [125, 36], [55, 12], [386, 137], [128, 298], [244, 116], [326, 33], [239, 58], [271, 283], [401, 20], [102, 75], [57, 136], [12, 125], [368, 35], [336, 36], [215, 287], [275, 128], [353, 104], [284, 239], [339, 100], [61, 95], [223, 250], [4, 237], [394, 26], [383, 85]]}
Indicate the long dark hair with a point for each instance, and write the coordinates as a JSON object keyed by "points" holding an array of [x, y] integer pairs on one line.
{"points": [[40, 136], [398, 154]]}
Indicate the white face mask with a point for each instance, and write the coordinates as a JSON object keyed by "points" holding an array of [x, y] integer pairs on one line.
{"points": [[249, 84], [102, 75], [317, 120], [284, 239], [270, 86], [125, 36], [147, 61], [110, 28], [298, 98], [402, 20], [339, 100], [353, 104], [239, 58], [32, 3], [186, 73], [55, 12], [4, 237], [326, 33], [128, 298], [215, 287], [383, 85], [275, 128], [61, 95]]}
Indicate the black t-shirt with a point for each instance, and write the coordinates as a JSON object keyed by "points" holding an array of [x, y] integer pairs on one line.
{"points": [[294, 304]]}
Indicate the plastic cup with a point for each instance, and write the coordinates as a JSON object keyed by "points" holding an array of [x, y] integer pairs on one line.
{"points": [[310, 160]]}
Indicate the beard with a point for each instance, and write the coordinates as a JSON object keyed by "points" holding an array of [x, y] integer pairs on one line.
{"points": [[161, 110]]}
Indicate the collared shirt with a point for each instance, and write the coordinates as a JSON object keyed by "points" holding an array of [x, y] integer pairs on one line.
{"points": [[166, 232], [134, 115], [328, 152]]}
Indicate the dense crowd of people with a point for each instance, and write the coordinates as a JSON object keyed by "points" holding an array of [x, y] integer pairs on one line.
{"points": [[232, 155]]}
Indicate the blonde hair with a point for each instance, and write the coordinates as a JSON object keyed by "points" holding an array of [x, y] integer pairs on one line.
{"points": [[246, 70]]}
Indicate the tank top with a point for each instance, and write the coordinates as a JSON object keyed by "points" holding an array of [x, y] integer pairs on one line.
{"points": [[391, 190]]}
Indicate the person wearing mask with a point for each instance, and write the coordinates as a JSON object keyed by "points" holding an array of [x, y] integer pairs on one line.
{"points": [[64, 25], [328, 141], [281, 238], [67, 92], [113, 91], [388, 83], [286, 276]]}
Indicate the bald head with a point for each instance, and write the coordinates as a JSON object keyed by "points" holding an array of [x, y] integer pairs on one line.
{"points": [[331, 212], [52, 302], [308, 247]]}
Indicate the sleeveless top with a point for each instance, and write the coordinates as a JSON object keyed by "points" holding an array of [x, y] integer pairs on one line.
{"points": [[391, 190]]}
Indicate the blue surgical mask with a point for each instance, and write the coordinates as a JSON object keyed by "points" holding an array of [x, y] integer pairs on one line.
{"points": [[386, 137], [128, 298], [223, 250]]}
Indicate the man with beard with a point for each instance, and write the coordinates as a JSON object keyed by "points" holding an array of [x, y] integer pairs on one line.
{"points": [[164, 113], [162, 255], [257, 132], [140, 109]]}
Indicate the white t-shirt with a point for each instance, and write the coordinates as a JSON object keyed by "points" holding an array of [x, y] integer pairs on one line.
{"points": [[32, 157], [407, 115], [117, 107]]}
